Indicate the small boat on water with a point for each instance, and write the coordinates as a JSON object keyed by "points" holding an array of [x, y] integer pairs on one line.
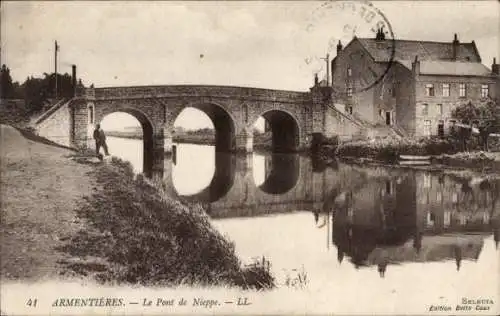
{"points": [[414, 160], [414, 157]]}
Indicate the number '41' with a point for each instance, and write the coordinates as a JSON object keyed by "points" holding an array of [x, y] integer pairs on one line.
{"points": [[32, 302]]}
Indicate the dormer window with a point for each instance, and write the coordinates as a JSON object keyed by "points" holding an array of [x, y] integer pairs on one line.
{"points": [[349, 72]]}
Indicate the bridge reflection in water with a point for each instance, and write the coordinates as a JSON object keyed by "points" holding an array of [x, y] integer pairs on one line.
{"points": [[375, 216], [233, 191]]}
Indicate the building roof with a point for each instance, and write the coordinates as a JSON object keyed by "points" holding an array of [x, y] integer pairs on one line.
{"points": [[450, 68], [436, 58], [381, 50], [323, 83]]}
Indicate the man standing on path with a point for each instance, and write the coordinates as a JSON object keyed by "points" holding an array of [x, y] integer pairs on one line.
{"points": [[100, 140]]}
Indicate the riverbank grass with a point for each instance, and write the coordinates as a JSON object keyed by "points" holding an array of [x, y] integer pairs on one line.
{"points": [[474, 160], [389, 149], [444, 151], [146, 238]]}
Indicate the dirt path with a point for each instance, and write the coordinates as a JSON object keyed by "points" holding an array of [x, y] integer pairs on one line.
{"points": [[40, 188]]}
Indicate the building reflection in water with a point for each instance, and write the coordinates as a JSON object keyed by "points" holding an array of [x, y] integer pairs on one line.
{"points": [[415, 217]]}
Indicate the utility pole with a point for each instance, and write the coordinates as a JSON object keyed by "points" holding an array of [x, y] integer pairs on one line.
{"points": [[55, 64], [328, 229], [327, 60]]}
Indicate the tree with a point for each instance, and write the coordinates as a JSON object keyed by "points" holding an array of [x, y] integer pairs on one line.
{"points": [[35, 94], [7, 90], [484, 115], [40, 91]]}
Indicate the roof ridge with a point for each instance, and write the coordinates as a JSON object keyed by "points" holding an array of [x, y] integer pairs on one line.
{"points": [[419, 41], [442, 61]]}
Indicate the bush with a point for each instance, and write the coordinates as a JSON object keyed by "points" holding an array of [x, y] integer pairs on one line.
{"points": [[494, 143], [476, 160], [389, 149], [256, 275], [319, 142]]}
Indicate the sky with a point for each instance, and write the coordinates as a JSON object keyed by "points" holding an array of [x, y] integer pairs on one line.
{"points": [[275, 45]]}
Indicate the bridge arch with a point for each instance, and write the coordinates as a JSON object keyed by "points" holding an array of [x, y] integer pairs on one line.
{"points": [[285, 130], [147, 134], [223, 121]]}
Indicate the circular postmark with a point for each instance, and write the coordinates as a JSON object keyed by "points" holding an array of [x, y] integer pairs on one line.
{"points": [[336, 23]]}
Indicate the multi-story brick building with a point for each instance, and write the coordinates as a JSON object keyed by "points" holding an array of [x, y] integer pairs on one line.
{"points": [[410, 85]]}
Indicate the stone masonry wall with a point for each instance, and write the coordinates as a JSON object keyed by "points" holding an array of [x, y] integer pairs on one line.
{"points": [[56, 127], [405, 100], [80, 117], [199, 91], [337, 124], [357, 59]]}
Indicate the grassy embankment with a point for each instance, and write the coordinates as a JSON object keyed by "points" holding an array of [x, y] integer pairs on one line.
{"points": [[447, 151], [149, 238], [68, 214]]}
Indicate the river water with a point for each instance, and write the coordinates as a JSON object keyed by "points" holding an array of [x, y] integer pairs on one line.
{"points": [[344, 226]]}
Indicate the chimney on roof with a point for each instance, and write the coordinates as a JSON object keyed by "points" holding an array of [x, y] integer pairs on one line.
{"points": [[73, 79], [415, 67], [455, 45], [339, 47], [380, 36], [475, 49], [316, 80], [494, 67]]}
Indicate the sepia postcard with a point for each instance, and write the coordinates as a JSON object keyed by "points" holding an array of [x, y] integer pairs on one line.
{"points": [[250, 157]]}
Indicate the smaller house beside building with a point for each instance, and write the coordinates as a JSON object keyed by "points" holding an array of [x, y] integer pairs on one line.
{"points": [[423, 82]]}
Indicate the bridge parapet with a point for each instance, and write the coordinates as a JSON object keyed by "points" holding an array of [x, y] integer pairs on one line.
{"points": [[255, 94], [89, 93]]}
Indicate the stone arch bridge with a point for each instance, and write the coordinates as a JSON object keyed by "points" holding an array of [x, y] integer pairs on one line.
{"points": [[293, 117]]}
